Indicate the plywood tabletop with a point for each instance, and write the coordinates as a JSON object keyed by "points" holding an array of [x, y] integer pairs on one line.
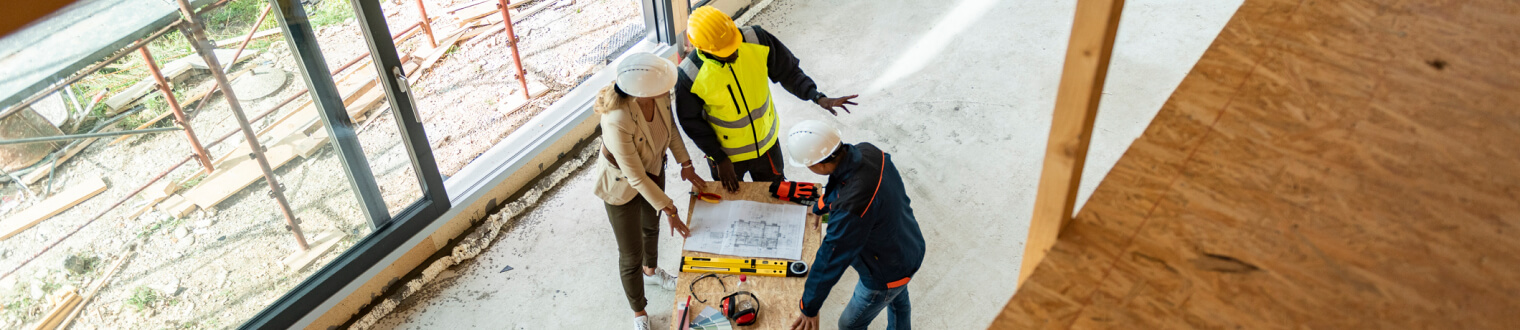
{"points": [[778, 295]]}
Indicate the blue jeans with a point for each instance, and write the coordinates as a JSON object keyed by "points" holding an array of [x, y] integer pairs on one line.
{"points": [[867, 303]]}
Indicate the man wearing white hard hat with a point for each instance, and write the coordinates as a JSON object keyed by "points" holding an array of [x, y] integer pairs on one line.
{"points": [[871, 228], [637, 129]]}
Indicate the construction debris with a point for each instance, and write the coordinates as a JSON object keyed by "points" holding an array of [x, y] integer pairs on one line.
{"points": [[99, 283], [171, 71], [76, 193], [259, 83], [63, 305], [320, 246]]}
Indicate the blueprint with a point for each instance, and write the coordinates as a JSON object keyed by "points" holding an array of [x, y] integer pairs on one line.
{"points": [[748, 229]]}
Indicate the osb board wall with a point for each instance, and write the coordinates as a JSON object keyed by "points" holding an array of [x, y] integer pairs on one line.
{"points": [[1327, 165]]}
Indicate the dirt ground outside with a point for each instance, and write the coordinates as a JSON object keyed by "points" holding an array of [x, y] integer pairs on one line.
{"points": [[215, 268]]}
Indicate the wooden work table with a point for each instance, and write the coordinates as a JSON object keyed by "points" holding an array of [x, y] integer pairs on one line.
{"points": [[778, 295]]}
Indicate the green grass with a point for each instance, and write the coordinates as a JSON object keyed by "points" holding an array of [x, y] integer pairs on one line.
{"points": [[154, 104], [49, 286], [191, 183], [151, 229], [143, 298], [230, 21], [329, 12], [20, 309], [236, 18]]}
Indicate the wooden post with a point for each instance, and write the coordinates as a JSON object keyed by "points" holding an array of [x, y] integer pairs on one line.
{"points": [[1092, 42]]}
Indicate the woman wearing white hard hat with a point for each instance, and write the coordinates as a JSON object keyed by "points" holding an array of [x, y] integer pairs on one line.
{"points": [[637, 129]]}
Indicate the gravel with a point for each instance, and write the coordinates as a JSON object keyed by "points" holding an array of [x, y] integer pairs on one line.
{"points": [[218, 267]]}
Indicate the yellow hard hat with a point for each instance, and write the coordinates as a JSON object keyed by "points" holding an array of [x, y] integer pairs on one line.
{"points": [[711, 31]]}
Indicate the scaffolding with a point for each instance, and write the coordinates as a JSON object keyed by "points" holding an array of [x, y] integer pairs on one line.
{"points": [[191, 27]]}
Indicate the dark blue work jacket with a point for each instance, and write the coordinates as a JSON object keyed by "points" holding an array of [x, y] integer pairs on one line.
{"points": [[871, 227]]}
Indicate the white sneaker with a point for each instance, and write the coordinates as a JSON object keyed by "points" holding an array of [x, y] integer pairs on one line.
{"points": [[665, 280], [641, 323]]}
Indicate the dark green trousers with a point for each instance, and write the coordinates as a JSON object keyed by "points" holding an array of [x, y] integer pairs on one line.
{"points": [[636, 225]]}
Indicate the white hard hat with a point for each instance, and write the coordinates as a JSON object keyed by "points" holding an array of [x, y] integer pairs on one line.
{"points": [[645, 75], [811, 141]]}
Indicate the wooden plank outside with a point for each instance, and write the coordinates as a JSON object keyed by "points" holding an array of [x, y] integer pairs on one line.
{"points": [[1082, 76], [320, 245], [176, 206], [363, 104], [55, 316], [75, 193], [305, 117], [778, 295], [239, 173], [318, 139], [476, 12]]}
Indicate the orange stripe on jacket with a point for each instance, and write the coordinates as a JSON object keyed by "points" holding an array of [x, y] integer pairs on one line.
{"points": [[878, 184]]}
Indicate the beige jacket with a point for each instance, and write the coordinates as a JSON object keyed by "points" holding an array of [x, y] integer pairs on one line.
{"points": [[623, 134]]}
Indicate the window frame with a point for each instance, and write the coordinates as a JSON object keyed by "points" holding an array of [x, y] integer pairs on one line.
{"points": [[312, 296]]}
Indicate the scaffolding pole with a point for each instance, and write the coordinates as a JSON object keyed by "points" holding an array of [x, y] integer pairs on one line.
{"points": [[86, 136], [179, 114], [427, 24], [522, 76], [197, 36]]}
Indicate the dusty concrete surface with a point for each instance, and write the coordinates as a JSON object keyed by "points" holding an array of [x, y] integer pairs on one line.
{"points": [[959, 92]]}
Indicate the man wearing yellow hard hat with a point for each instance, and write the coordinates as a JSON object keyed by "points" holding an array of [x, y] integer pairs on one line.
{"points": [[723, 96]]}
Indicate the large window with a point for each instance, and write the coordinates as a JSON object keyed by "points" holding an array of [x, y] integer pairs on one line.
{"points": [[360, 109]]}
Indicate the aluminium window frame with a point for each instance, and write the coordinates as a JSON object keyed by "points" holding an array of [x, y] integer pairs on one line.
{"points": [[311, 298]]}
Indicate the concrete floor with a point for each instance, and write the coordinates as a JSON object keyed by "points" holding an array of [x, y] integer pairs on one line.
{"points": [[960, 92]]}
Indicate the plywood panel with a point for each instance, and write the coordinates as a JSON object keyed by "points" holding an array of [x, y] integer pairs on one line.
{"points": [[778, 295], [1335, 165]]}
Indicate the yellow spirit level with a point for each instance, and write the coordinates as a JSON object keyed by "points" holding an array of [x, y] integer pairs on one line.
{"points": [[749, 266]]}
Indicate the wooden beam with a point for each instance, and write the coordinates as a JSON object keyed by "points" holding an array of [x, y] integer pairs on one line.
{"points": [[76, 193], [66, 303], [1087, 55]]}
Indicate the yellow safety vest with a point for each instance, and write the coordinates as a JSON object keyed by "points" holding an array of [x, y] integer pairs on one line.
{"points": [[738, 100]]}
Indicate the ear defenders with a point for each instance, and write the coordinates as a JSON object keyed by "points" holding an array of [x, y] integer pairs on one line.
{"points": [[736, 308]]}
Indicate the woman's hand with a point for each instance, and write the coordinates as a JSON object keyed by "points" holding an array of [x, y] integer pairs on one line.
{"points": [[690, 175], [676, 225]]}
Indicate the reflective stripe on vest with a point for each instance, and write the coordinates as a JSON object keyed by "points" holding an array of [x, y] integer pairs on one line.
{"points": [[737, 99], [751, 149], [754, 115]]}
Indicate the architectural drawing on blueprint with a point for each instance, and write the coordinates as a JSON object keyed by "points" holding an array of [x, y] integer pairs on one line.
{"points": [[759, 234], [748, 229]]}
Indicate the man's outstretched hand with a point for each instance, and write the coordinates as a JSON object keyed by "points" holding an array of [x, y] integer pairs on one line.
{"points": [[727, 175], [805, 323], [828, 103]]}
